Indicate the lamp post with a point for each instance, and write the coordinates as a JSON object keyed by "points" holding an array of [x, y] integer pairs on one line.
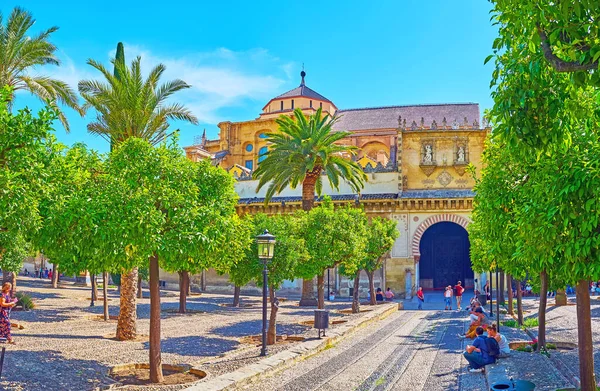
{"points": [[497, 301], [266, 247], [491, 295]]}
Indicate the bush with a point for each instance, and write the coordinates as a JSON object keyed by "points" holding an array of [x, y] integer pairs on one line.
{"points": [[550, 346], [531, 323], [511, 323], [24, 301]]}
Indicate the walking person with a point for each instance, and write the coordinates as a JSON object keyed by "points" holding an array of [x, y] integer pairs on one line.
{"points": [[421, 297], [448, 298], [458, 289], [6, 304]]}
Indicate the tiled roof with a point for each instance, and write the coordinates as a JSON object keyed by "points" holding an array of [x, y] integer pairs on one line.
{"points": [[450, 193], [387, 117], [221, 154], [304, 91], [337, 197]]}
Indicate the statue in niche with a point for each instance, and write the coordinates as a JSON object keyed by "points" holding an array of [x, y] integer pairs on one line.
{"points": [[461, 154], [428, 158]]}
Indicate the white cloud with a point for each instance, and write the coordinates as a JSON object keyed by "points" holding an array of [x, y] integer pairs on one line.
{"points": [[220, 78]]}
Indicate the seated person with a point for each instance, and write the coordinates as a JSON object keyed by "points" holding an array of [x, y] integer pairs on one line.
{"points": [[389, 295], [477, 354], [501, 339], [479, 319], [474, 303], [379, 295]]}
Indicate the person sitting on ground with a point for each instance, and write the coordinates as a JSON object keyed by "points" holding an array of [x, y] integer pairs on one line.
{"points": [[389, 295], [474, 303], [379, 295], [478, 354], [479, 319], [503, 347], [448, 298], [528, 289]]}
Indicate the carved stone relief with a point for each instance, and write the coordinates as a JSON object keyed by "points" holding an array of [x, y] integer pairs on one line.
{"points": [[444, 178]]}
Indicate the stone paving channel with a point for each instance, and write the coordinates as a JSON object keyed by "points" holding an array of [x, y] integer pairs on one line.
{"points": [[409, 350]]}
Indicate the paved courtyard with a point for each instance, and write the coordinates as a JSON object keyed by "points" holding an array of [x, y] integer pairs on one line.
{"points": [[61, 348]]}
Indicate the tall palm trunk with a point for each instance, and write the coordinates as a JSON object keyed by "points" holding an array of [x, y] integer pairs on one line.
{"points": [[321, 290], [272, 331], [561, 297], [308, 201], [373, 300], [236, 296], [355, 294], [54, 275], [156, 375], [542, 311], [126, 325], [510, 294], [584, 337]]}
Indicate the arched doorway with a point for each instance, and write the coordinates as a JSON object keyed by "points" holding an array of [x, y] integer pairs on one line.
{"points": [[444, 260]]}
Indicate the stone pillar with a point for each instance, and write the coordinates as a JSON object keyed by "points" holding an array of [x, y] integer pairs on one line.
{"points": [[408, 284]]}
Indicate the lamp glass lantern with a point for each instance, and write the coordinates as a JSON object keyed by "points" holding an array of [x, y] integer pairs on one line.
{"points": [[266, 246]]}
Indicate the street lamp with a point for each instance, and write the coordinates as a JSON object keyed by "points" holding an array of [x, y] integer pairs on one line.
{"points": [[266, 247]]}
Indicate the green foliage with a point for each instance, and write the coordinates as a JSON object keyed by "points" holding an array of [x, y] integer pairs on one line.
{"points": [[381, 234], [304, 147], [127, 105], [333, 237], [531, 323], [511, 323], [22, 52], [24, 301], [26, 148], [289, 250], [565, 35], [159, 202]]}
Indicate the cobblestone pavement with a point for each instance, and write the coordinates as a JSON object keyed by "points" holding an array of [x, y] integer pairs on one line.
{"points": [[410, 350], [61, 348]]}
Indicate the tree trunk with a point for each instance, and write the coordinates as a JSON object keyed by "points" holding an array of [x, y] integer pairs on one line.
{"points": [[542, 311], [501, 288], [156, 374], [126, 325], [373, 300], [308, 189], [54, 275], [12, 278], [140, 293], [272, 331], [584, 337], [355, 294], [510, 294], [94, 287], [183, 289], [321, 290], [105, 294], [236, 296], [561, 297], [519, 304], [308, 293], [203, 281]]}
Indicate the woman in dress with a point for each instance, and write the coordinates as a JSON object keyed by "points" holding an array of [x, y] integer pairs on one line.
{"points": [[6, 303]]}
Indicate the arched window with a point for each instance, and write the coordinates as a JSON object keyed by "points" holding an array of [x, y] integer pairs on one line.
{"points": [[262, 154], [262, 135], [249, 147]]}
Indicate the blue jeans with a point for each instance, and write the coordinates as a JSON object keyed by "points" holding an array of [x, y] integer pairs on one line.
{"points": [[475, 360], [421, 304], [448, 301]]}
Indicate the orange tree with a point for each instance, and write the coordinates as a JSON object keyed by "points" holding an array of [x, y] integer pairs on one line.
{"points": [[164, 210]]}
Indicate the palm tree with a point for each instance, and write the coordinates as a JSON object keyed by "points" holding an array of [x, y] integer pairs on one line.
{"points": [[129, 106], [20, 53], [303, 149]]}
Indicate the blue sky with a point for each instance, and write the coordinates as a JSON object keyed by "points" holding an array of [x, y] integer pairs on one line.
{"points": [[239, 54]]}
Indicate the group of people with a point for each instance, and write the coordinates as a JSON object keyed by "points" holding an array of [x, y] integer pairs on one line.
{"points": [[456, 292], [388, 295]]}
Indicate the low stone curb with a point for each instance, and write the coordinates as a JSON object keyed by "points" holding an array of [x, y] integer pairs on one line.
{"points": [[288, 357]]}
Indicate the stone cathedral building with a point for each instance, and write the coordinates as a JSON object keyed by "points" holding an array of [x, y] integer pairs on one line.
{"points": [[415, 158]]}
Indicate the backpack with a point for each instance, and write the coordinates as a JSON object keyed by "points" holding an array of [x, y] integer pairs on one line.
{"points": [[492, 347]]}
